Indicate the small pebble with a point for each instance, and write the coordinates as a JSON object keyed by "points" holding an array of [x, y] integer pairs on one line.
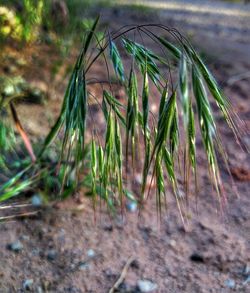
{"points": [[90, 253], [131, 206], [107, 227], [230, 283], [28, 284], [246, 271], [52, 254], [172, 243], [15, 246], [36, 200], [84, 266], [36, 251], [124, 287], [196, 257], [72, 289], [246, 281], [146, 286], [24, 237], [135, 264]]}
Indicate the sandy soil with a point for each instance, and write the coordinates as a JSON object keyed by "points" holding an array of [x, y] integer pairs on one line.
{"points": [[65, 250]]}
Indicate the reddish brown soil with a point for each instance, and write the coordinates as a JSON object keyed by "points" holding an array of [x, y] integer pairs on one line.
{"points": [[212, 250]]}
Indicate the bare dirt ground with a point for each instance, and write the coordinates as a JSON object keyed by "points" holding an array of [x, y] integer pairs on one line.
{"points": [[64, 250]]}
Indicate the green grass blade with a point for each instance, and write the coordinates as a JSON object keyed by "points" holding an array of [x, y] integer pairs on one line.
{"points": [[116, 60], [169, 164], [145, 59], [114, 105], [207, 126], [183, 88], [90, 36], [15, 190], [165, 122], [118, 145], [170, 47], [145, 102], [191, 137], [93, 167], [174, 133], [131, 113]]}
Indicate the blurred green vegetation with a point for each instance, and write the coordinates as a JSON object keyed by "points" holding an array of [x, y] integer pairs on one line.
{"points": [[21, 20], [47, 20]]}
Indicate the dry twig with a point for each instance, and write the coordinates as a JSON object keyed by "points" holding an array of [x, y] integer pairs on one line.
{"points": [[122, 276]]}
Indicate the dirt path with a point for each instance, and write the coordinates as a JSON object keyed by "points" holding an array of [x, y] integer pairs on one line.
{"points": [[216, 25]]}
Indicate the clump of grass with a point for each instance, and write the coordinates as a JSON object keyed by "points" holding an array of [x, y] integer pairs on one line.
{"points": [[162, 144]]}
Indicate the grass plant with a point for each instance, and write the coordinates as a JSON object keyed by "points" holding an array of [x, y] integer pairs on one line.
{"points": [[185, 90]]}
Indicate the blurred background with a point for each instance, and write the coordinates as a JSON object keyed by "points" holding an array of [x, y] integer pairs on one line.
{"points": [[63, 249]]}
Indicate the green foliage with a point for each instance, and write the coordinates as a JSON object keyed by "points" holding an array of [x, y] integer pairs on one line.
{"points": [[9, 24], [25, 25], [46, 21], [160, 132]]}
